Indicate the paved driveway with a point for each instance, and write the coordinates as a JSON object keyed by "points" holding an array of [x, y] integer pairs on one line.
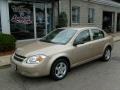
{"points": [[96, 75]]}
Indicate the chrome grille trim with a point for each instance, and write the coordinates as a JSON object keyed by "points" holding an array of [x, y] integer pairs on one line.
{"points": [[19, 57]]}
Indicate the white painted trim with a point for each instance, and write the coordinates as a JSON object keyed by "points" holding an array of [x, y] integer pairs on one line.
{"points": [[5, 20], [34, 15]]}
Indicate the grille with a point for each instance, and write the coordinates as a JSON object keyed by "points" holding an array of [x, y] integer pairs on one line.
{"points": [[19, 57]]}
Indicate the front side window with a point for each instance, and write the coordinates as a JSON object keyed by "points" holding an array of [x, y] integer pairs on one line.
{"points": [[97, 34], [60, 36], [91, 15], [83, 37], [21, 20], [75, 14]]}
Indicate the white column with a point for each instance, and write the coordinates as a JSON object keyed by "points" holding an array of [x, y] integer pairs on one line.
{"points": [[5, 16], [115, 23], [35, 24]]}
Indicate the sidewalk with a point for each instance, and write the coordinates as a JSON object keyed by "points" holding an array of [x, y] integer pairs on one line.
{"points": [[5, 60], [116, 36]]}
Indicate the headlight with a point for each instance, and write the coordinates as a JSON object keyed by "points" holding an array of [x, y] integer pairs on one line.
{"points": [[35, 59]]}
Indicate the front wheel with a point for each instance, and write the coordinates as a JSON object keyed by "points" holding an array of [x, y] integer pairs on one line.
{"points": [[59, 69], [107, 54]]}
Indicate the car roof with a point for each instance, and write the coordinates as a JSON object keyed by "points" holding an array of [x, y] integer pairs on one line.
{"points": [[79, 28]]}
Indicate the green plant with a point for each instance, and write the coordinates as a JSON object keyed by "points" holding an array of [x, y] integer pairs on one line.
{"points": [[62, 20], [7, 42]]}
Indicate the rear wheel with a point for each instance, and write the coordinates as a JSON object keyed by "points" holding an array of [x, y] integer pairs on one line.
{"points": [[59, 69], [107, 54]]}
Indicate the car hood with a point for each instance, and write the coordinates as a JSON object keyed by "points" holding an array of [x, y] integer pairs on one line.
{"points": [[39, 48]]}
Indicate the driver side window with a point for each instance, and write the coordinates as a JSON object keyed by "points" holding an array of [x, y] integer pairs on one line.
{"points": [[83, 37]]}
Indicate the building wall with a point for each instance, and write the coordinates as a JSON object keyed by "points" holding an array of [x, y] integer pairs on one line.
{"points": [[84, 12], [65, 7]]}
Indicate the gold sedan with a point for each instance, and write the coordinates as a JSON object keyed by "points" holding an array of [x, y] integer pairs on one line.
{"points": [[61, 50]]}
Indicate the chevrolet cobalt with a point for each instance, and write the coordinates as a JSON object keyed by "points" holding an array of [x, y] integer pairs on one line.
{"points": [[61, 50]]}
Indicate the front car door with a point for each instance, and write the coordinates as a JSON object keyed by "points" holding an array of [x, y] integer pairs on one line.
{"points": [[82, 50]]}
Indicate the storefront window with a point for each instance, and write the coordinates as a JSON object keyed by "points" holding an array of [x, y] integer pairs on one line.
{"points": [[21, 21], [91, 15], [75, 14]]}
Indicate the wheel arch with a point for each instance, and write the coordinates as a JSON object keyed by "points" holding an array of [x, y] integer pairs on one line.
{"points": [[59, 57], [108, 46]]}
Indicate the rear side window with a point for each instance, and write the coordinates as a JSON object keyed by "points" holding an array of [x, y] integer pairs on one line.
{"points": [[97, 34]]}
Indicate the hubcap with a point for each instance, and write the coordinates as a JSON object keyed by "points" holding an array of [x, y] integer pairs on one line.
{"points": [[107, 54], [60, 70]]}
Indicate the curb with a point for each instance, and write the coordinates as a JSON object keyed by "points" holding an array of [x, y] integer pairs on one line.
{"points": [[5, 61], [117, 40], [5, 66]]}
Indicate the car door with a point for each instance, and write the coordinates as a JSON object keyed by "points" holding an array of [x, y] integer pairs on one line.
{"points": [[81, 50], [98, 42]]}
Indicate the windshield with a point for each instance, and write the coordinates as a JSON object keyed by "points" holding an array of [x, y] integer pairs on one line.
{"points": [[60, 36]]}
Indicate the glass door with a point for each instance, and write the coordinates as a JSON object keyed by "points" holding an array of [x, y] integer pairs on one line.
{"points": [[43, 19], [40, 19], [49, 17]]}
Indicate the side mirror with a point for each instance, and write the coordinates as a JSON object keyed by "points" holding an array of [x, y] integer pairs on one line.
{"points": [[76, 43]]}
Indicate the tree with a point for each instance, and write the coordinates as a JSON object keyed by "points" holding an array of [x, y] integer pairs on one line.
{"points": [[62, 20]]}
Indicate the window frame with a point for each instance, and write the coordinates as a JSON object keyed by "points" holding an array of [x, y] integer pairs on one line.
{"points": [[98, 30], [79, 34], [91, 11], [78, 15]]}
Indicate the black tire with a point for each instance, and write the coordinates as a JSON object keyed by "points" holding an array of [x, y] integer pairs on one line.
{"points": [[53, 72], [107, 54]]}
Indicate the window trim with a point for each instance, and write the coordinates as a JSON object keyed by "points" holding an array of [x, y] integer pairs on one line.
{"points": [[77, 16]]}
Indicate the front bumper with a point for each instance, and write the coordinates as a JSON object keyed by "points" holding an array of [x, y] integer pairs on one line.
{"points": [[31, 70]]}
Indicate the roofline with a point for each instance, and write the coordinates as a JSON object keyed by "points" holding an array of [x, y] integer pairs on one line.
{"points": [[105, 2]]}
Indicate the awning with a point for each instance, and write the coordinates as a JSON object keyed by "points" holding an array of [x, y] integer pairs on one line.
{"points": [[36, 0]]}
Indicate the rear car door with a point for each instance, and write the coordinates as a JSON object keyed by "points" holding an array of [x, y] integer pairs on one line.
{"points": [[98, 42]]}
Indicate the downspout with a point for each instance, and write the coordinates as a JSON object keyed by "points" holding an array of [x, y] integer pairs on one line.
{"points": [[70, 9]]}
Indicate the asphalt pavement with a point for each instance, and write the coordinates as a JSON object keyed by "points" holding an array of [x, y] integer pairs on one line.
{"points": [[96, 75]]}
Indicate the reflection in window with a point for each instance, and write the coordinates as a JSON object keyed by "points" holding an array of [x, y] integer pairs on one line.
{"points": [[97, 34], [21, 21], [75, 14]]}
